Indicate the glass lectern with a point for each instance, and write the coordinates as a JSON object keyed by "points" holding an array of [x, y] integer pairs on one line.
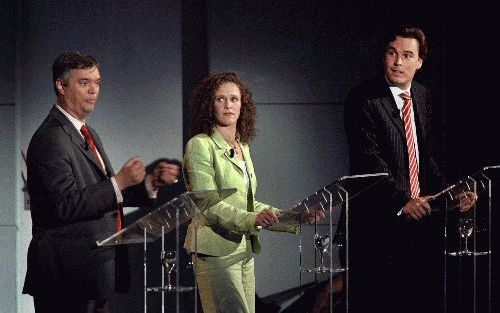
{"points": [[167, 218], [468, 249], [324, 245]]}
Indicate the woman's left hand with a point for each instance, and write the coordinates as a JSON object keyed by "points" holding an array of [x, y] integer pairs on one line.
{"points": [[312, 216]]}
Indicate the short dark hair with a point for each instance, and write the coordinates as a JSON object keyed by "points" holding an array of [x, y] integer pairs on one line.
{"points": [[203, 98], [70, 60], [409, 32]]}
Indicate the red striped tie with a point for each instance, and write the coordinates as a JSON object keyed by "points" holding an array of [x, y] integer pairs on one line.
{"points": [[410, 143]]}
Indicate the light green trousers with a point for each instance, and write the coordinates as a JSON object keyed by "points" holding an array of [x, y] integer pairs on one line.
{"points": [[227, 284]]}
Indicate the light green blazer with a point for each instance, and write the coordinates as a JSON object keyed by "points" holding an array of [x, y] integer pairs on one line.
{"points": [[207, 166]]}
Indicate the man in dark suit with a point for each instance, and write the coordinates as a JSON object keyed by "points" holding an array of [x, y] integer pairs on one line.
{"points": [[77, 199], [405, 268]]}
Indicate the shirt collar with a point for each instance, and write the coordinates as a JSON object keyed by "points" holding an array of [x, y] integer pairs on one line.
{"points": [[396, 91], [78, 124]]}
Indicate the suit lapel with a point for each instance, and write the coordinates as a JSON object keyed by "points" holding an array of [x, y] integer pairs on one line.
{"points": [[248, 161], [246, 156], [392, 112], [77, 139], [224, 148], [100, 148], [418, 111]]}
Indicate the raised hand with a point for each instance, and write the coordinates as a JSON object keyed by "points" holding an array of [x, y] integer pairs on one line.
{"points": [[131, 173], [165, 174]]}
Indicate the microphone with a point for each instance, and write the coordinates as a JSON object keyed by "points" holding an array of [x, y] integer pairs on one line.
{"points": [[231, 153]]}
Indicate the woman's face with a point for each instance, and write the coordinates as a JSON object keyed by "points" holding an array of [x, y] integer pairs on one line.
{"points": [[227, 104]]}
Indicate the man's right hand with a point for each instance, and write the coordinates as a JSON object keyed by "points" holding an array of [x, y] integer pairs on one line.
{"points": [[131, 173], [417, 208]]}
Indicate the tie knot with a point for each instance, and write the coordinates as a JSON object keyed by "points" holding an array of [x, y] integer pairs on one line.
{"points": [[85, 132], [405, 96]]}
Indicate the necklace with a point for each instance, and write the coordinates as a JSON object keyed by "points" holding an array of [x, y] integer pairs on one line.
{"points": [[234, 147]]}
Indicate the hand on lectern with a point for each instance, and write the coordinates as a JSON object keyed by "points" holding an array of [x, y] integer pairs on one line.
{"points": [[417, 208], [466, 200], [312, 215]]}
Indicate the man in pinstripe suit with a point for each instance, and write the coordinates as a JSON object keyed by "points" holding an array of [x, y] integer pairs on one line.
{"points": [[408, 258]]}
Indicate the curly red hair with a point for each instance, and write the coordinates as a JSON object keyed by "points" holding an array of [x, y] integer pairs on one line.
{"points": [[203, 98]]}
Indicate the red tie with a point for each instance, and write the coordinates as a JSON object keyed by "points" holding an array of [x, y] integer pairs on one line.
{"points": [[410, 143], [88, 138], [90, 142]]}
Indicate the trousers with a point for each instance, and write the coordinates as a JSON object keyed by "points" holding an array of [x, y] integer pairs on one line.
{"points": [[227, 283]]}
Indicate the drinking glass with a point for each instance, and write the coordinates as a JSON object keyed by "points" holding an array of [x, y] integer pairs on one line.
{"points": [[168, 259], [465, 228], [321, 243]]}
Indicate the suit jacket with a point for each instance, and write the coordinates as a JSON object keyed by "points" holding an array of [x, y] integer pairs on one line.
{"points": [[377, 142], [73, 204], [208, 166], [405, 254]]}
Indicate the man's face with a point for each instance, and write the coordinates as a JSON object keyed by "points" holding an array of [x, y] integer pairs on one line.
{"points": [[78, 95], [401, 61]]}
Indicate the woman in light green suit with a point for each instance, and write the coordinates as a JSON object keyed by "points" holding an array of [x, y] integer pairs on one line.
{"points": [[223, 123]]}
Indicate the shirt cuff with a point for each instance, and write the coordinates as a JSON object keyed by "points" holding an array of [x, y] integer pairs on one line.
{"points": [[250, 223], [148, 182], [400, 212], [118, 193]]}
